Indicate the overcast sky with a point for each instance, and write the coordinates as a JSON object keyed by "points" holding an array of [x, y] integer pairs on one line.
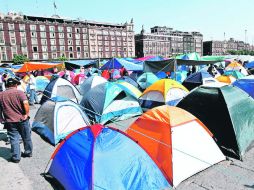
{"points": [[211, 18]]}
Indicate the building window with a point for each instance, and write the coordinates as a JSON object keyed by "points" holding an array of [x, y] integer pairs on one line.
{"points": [[35, 56], [35, 49], [44, 42], [61, 35], [13, 41], [45, 56], [52, 29], [11, 26], [33, 27], [85, 42], [1, 26], [78, 30], [23, 41], [78, 49], [85, 48], [53, 42], [85, 36], [62, 48], [22, 34], [71, 55], [69, 29], [60, 29], [12, 34], [61, 42], [43, 34], [22, 27], [70, 48], [69, 35], [54, 55], [2, 37], [84, 30], [78, 55], [78, 42], [53, 48], [44, 48], [42, 28], [33, 34], [77, 36], [70, 42], [24, 49], [34, 41], [52, 35]]}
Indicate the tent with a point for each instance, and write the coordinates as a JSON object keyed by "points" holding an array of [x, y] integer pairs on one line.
{"points": [[197, 79], [249, 65], [236, 66], [146, 79], [234, 73], [90, 83], [164, 91], [227, 112], [108, 102], [76, 64], [41, 83], [32, 66], [176, 140], [117, 63], [62, 89], [132, 90], [246, 84], [54, 120], [129, 80], [226, 79], [189, 56], [99, 157]]}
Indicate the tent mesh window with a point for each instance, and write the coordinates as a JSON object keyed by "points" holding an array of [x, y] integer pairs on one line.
{"points": [[66, 91]]}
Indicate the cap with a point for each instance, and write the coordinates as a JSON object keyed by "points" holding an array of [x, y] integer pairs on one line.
{"points": [[12, 81]]}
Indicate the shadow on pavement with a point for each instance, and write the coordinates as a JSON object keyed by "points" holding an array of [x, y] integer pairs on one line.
{"points": [[249, 186], [5, 153], [52, 181]]}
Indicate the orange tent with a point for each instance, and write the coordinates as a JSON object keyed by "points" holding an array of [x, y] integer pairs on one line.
{"points": [[226, 79], [32, 66], [177, 141]]}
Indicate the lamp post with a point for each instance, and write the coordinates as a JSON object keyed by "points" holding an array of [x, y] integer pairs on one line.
{"points": [[245, 45]]}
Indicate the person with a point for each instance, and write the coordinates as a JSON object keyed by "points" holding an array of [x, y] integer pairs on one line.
{"points": [[194, 69], [67, 75], [14, 109], [32, 89]]}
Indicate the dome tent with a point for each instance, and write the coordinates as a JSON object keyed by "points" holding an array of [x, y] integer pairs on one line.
{"points": [[54, 120], [98, 157], [227, 112], [177, 141]]}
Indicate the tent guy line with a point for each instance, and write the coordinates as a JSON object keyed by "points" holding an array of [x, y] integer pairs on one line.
{"points": [[231, 174]]}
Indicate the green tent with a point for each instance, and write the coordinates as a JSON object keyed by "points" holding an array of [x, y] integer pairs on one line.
{"points": [[234, 73], [189, 56], [213, 58], [227, 112]]}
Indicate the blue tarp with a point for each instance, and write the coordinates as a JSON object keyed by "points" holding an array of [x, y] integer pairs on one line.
{"points": [[249, 65], [95, 158], [117, 63], [156, 58], [246, 85]]}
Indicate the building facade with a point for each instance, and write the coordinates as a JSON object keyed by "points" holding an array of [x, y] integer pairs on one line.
{"points": [[216, 47], [43, 38], [166, 42]]}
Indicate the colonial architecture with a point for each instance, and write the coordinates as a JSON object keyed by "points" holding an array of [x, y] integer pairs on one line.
{"points": [[43, 38], [166, 42], [222, 47]]}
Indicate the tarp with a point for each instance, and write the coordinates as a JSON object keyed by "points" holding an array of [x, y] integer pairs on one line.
{"points": [[156, 66], [32, 66], [246, 84], [249, 65], [213, 58], [103, 158], [189, 56], [117, 63], [75, 64]]}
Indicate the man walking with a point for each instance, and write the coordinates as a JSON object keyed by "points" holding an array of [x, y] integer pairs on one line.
{"points": [[15, 116]]}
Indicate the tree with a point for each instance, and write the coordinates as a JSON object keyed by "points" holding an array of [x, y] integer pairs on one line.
{"points": [[19, 59], [63, 58]]}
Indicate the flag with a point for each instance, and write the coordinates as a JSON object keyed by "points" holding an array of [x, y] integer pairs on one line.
{"points": [[55, 5]]}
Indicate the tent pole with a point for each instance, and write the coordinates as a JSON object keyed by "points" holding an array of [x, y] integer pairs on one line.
{"points": [[175, 64]]}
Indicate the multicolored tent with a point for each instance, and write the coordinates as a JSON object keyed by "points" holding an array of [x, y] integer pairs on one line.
{"points": [[197, 79], [246, 84], [54, 120], [117, 63], [61, 89], [164, 91], [99, 157], [132, 90], [90, 83], [237, 67], [177, 141], [228, 112], [109, 102], [41, 83]]}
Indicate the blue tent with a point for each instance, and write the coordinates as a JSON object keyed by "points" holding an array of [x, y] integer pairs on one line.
{"points": [[97, 157], [249, 65], [246, 84], [146, 79], [156, 58], [117, 63]]}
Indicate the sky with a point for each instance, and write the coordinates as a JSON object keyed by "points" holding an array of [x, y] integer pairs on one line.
{"points": [[212, 18]]}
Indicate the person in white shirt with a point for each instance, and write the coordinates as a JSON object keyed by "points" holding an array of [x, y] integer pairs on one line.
{"points": [[32, 89]]}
